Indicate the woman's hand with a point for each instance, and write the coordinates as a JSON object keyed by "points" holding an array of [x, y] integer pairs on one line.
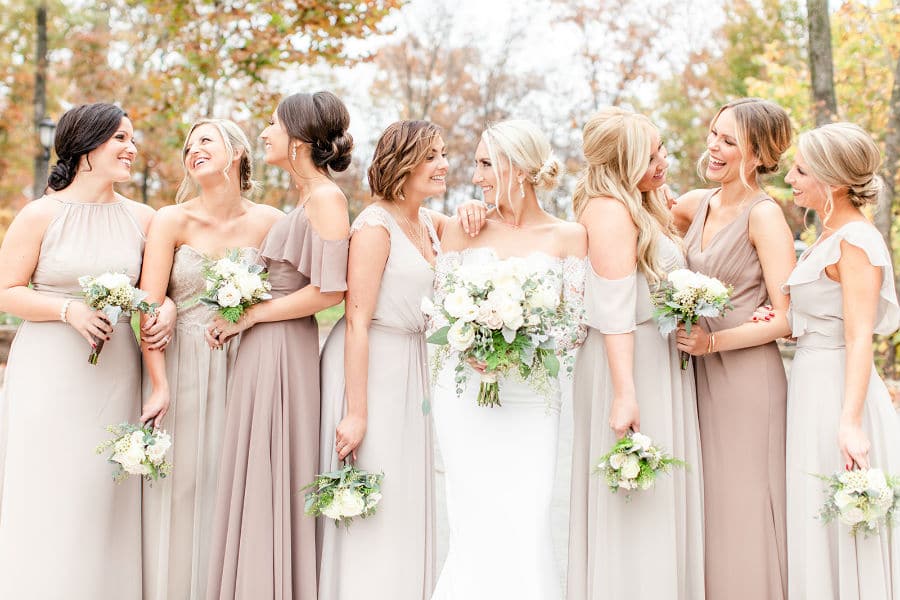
{"points": [[158, 328], [762, 314], [625, 415], [156, 406], [218, 334], [472, 215], [696, 343], [477, 365], [854, 444], [93, 325], [349, 435]]}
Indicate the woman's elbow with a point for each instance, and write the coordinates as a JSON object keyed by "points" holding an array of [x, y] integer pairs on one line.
{"points": [[330, 299]]}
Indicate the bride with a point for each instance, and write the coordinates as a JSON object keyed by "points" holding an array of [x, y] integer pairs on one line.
{"points": [[500, 461]]}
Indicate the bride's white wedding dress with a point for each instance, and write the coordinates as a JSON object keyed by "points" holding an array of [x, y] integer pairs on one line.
{"points": [[500, 465]]}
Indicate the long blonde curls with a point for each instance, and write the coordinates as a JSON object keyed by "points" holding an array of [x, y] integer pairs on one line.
{"points": [[618, 145]]}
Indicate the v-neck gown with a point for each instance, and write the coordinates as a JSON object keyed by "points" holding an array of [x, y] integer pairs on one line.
{"points": [[741, 402], [391, 555]]}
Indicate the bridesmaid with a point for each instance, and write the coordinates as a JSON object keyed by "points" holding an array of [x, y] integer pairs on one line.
{"points": [[839, 412], [739, 235], [393, 247], [177, 512], [632, 245], [263, 546], [66, 530]]}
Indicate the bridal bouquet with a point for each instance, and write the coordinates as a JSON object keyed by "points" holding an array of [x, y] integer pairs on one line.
{"points": [[137, 450], [114, 295], [634, 462], [862, 499], [501, 314], [685, 297], [233, 284], [343, 494]]}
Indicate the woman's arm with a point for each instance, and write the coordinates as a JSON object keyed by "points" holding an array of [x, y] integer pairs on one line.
{"points": [[159, 254], [770, 234], [369, 250], [860, 286], [685, 207], [18, 259], [612, 250]]}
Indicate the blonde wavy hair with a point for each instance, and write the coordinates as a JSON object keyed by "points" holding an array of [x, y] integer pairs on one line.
{"points": [[762, 131], [235, 141], [618, 145], [400, 149], [525, 147], [843, 155]]}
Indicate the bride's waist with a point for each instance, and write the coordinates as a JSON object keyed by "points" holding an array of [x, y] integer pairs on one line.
{"points": [[513, 387]]}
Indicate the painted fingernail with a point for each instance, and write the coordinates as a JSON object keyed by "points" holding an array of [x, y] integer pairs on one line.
{"points": [[755, 319]]}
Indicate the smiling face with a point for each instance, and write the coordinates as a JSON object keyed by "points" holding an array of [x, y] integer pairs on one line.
{"points": [[808, 191], [277, 143], [493, 188], [725, 160], [656, 170], [428, 178], [113, 158], [206, 154]]}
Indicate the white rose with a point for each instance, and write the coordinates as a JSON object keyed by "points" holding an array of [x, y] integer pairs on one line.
{"points": [[333, 510], [641, 441], [509, 312], [476, 275], [852, 515], [715, 287], [458, 303], [461, 335], [876, 480], [631, 468], [372, 500], [427, 306], [225, 267], [617, 460], [843, 499], [228, 295], [350, 502], [544, 297], [113, 280], [156, 451], [247, 283], [518, 267], [488, 317], [680, 279], [510, 286], [515, 322]]}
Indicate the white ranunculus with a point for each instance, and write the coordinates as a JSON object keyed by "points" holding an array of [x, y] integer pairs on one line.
{"points": [[509, 285], [156, 451], [632, 467], [247, 283], [458, 303], [460, 336], [510, 311], [228, 295], [641, 441], [350, 502], [113, 280], [681, 279], [617, 460], [545, 297], [225, 267]]}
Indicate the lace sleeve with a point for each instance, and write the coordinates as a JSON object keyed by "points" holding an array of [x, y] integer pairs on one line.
{"points": [[571, 332], [371, 216], [444, 265]]}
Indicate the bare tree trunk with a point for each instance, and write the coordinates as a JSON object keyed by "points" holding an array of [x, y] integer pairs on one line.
{"points": [[41, 157], [884, 215], [821, 68]]}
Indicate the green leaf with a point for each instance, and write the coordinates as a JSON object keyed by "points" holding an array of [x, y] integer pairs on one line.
{"points": [[439, 337], [232, 314], [551, 363]]}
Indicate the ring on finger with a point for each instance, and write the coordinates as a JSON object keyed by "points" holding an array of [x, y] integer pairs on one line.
{"points": [[216, 332]]}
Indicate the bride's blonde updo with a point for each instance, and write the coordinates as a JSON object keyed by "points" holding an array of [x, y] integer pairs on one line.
{"points": [[522, 145], [843, 155]]}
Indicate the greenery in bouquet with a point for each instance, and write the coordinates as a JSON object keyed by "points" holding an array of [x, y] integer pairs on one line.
{"points": [[233, 284], [634, 462], [344, 494], [863, 499], [137, 450], [113, 294]]}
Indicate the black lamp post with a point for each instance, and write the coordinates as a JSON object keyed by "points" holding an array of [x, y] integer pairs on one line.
{"points": [[46, 131]]}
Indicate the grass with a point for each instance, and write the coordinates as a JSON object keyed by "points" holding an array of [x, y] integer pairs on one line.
{"points": [[330, 316], [7, 319]]}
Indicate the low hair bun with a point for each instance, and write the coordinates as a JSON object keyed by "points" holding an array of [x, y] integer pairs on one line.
{"points": [[866, 192], [547, 176], [341, 152], [61, 175]]}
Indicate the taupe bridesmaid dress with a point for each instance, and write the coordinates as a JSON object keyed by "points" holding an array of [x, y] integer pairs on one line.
{"points": [[650, 547], [66, 529], [390, 556], [263, 545], [741, 398], [177, 511], [824, 561]]}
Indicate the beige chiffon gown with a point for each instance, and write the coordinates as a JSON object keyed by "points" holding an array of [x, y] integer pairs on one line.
{"points": [[177, 511], [651, 546], [263, 545], [390, 556], [824, 561], [741, 397], [66, 529]]}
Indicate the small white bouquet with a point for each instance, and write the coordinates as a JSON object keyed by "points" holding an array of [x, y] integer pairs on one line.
{"points": [[634, 462], [114, 295], [686, 296], [864, 499], [137, 450], [233, 284], [504, 315], [344, 494]]}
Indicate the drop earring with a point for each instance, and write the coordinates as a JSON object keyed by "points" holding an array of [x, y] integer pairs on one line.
{"points": [[521, 189], [293, 152]]}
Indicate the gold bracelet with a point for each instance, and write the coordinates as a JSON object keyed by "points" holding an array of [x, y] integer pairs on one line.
{"points": [[712, 344]]}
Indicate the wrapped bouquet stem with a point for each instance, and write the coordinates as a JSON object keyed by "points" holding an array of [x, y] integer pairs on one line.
{"points": [[686, 296], [113, 294]]}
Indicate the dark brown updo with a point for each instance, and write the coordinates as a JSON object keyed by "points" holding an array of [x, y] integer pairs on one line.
{"points": [[80, 131], [320, 120]]}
